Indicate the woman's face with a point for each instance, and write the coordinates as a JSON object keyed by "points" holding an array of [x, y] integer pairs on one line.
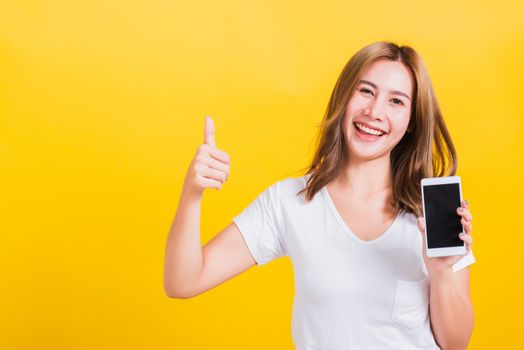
{"points": [[378, 112]]}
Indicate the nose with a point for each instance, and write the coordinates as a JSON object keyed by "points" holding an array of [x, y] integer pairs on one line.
{"points": [[375, 109]]}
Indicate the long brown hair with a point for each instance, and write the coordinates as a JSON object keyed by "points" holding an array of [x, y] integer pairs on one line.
{"points": [[426, 150]]}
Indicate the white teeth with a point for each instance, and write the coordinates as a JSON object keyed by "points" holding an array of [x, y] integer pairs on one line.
{"points": [[368, 130]]}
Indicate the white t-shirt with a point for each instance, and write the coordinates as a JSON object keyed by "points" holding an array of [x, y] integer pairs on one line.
{"points": [[349, 293]]}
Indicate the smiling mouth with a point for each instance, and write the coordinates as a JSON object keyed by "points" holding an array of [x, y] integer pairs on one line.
{"points": [[364, 129]]}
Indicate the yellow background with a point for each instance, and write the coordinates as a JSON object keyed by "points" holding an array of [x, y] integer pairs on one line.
{"points": [[102, 107]]}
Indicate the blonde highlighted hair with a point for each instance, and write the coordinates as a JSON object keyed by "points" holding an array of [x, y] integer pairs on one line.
{"points": [[426, 150]]}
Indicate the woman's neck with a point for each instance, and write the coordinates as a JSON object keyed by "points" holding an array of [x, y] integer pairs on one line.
{"points": [[364, 178]]}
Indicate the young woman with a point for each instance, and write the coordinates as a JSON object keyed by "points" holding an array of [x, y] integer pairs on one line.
{"points": [[351, 225]]}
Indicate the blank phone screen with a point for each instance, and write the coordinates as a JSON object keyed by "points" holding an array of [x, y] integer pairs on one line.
{"points": [[442, 221]]}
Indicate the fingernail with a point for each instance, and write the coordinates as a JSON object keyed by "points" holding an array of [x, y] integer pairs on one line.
{"points": [[462, 234], [460, 210]]}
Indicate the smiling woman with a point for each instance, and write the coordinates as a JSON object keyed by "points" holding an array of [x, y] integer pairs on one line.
{"points": [[377, 111], [362, 280]]}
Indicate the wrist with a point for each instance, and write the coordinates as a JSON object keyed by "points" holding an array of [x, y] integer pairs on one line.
{"points": [[190, 195], [441, 275]]}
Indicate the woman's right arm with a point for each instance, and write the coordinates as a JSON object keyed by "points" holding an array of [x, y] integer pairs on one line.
{"points": [[189, 268]]}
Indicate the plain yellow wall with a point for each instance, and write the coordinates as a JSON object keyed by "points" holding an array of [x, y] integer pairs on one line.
{"points": [[102, 107]]}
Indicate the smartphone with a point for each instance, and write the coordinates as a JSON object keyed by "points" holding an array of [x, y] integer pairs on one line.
{"points": [[441, 196]]}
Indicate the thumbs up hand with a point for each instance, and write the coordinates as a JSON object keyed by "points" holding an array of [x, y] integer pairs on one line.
{"points": [[210, 166]]}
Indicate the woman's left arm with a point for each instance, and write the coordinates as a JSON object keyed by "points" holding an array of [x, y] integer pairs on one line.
{"points": [[451, 311], [450, 307]]}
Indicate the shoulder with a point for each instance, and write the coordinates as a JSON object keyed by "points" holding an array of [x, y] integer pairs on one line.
{"points": [[291, 183], [408, 231], [290, 186], [286, 190], [408, 218], [407, 223]]}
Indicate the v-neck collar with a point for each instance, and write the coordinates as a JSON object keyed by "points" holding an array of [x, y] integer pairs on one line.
{"points": [[342, 223]]}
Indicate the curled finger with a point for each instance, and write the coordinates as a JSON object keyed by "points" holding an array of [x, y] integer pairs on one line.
{"points": [[468, 227], [468, 239]]}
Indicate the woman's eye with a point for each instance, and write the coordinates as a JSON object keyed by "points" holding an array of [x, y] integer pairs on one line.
{"points": [[397, 101]]}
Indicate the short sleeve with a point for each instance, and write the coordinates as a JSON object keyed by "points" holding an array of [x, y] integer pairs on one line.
{"points": [[465, 261], [260, 224]]}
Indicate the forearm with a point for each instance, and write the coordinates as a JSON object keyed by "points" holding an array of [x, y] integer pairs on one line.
{"points": [[183, 256], [451, 312]]}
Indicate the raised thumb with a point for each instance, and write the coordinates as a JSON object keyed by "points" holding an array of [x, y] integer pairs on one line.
{"points": [[209, 132]]}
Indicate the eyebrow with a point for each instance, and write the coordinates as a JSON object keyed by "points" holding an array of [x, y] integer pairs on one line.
{"points": [[396, 92]]}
